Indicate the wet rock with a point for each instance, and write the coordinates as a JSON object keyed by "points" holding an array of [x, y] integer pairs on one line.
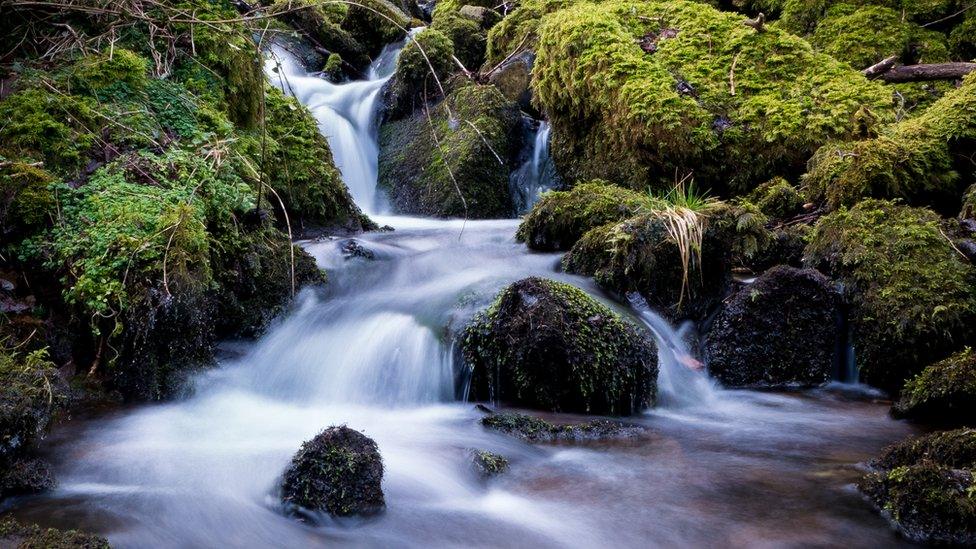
{"points": [[925, 487], [488, 464], [533, 429], [423, 66], [352, 249], [785, 247], [944, 393], [514, 79], [25, 476], [338, 472], [485, 17], [15, 534], [779, 330], [31, 394], [547, 345]]}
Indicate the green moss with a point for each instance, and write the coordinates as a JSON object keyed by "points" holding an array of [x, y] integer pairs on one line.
{"points": [[634, 116], [467, 36], [803, 16], [777, 199], [44, 126], [548, 345], [912, 295], [489, 464], [471, 156], [968, 210], [519, 29], [322, 24], [35, 537], [31, 396], [333, 68], [956, 449], [962, 39], [560, 218], [533, 429], [915, 159], [26, 199], [945, 392], [423, 67], [97, 73]]}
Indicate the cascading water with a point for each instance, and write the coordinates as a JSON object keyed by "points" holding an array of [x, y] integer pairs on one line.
{"points": [[536, 174], [373, 351]]}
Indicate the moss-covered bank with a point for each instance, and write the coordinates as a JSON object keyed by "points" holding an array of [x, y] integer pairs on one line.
{"points": [[943, 393]]}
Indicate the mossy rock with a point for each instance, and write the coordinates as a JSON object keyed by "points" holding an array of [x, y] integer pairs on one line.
{"points": [[803, 16], [24, 477], [920, 160], [913, 297], [968, 210], [15, 534], [469, 36], [926, 487], [514, 79], [639, 255], [548, 345], [332, 69], [338, 472], [488, 464], [535, 430], [375, 24], [784, 247], [560, 218], [636, 91], [32, 393], [27, 201], [464, 171], [414, 83], [777, 199], [944, 393], [781, 330]]}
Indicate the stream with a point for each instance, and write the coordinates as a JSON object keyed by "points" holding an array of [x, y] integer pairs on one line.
{"points": [[373, 350]]}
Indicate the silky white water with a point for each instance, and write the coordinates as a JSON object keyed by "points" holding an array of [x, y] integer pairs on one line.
{"points": [[374, 351]]}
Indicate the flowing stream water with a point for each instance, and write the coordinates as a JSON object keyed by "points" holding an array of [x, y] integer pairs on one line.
{"points": [[373, 350]]}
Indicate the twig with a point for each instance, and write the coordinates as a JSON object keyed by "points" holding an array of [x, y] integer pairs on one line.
{"points": [[732, 74]]}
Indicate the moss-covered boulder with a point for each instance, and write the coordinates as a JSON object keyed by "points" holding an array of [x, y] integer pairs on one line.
{"points": [[15, 534], [926, 487], [26, 199], [784, 246], [779, 330], [31, 395], [968, 210], [488, 464], [548, 345], [638, 90], [777, 199], [338, 472], [468, 34], [533, 429], [944, 393], [560, 218], [456, 163], [423, 67], [657, 255], [912, 295], [514, 79], [922, 160]]}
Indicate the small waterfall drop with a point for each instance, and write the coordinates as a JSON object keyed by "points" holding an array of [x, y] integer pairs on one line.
{"points": [[346, 114], [537, 173], [681, 380]]}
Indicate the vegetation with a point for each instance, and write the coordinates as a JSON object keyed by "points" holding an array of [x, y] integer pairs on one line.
{"points": [[14, 534], [533, 429], [414, 84], [944, 393], [548, 345]]}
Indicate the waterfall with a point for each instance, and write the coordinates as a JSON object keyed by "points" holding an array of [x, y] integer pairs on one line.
{"points": [[536, 174], [346, 114]]}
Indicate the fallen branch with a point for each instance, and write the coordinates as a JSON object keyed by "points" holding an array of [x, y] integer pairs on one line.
{"points": [[891, 73]]}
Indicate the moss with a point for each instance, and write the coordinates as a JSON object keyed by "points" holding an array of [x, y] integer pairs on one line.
{"points": [[471, 156], [926, 487], [376, 24], [634, 116], [467, 36], [962, 39], [43, 126], [968, 210], [863, 35], [338, 472], [322, 24], [333, 68], [519, 29], [26, 199], [944, 392], [777, 199], [912, 297], [533, 429], [548, 345], [413, 83], [803, 16], [97, 73], [489, 464], [31, 396], [560, 218], [919, 159], [784, 247], [14, 534]]}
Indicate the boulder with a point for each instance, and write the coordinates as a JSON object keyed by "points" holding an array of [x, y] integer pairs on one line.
{"points": [[464, 170], [338, 472], [777, 199], [488, 464], [779, 330], [925, 487], [25, 476], [561, 218], [514, 79], [424, 65], [944, 393], [548, 345], [912, 295], [533, 429]]}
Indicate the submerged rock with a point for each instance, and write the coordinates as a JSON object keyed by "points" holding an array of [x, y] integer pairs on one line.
{"points": [[338, 472], [488, 464], [15, 534], [926, 487], [547, 345], [561, 218], [779, 330], [944, 393], [912, 295], [533, 429]]}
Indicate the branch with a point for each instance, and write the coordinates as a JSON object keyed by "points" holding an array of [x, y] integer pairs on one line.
{"points": [[891, 73]]}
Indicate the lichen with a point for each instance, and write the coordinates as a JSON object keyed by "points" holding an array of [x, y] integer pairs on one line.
{"points": [[912, 295]]}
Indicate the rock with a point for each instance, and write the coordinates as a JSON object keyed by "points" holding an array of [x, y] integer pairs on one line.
{"points": [[561, 218], [31, 395], [488, 464], [467, 35], [486, 18], [352, 249], [779, 330], [785, 247], [944, 393], [548, 345], [413, 84], [911, 294], [14, 534], [462, 173], [925, 487], [968, 211], [25, 476], [338, 472], [533, 429], [514, 80]]}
